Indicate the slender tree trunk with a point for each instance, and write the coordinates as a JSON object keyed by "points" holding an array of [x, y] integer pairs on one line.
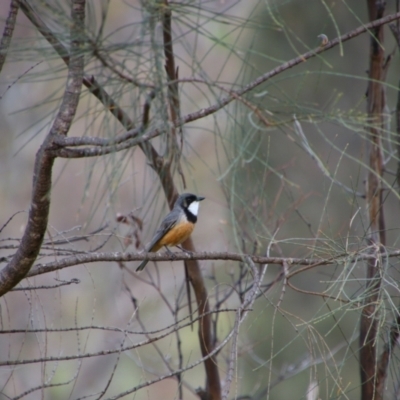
{"points": [[372, 382]]}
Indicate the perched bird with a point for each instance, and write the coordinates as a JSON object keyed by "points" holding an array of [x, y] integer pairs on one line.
{"points": [[176, 226]]}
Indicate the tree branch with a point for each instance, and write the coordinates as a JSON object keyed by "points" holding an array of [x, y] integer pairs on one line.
{"points": [[8, 31], [36, 227], [43, 268], [117, 143], [287, 65]]}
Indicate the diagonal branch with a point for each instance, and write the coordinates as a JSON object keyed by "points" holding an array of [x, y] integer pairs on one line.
{"points": [[288, 65], [8, 31], [233, 94], [123, 141]]}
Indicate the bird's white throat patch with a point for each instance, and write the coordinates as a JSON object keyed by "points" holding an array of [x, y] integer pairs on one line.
{"points": [[194, 208]]}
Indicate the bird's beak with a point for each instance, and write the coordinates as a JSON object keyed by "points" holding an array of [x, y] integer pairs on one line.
{"points": [[200, 198]]}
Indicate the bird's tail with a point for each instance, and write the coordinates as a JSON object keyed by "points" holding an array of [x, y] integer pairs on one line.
{"points": [[142, 265]]}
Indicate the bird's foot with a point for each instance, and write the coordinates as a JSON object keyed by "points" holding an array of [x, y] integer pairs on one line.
{"points": [[171, 253], [185, 250]]}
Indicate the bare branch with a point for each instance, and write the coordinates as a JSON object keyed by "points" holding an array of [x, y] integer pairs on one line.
{"points": [[206, 338], [127, 256], [123, 349], [123, 141], [63, 283], [287, 65], [176, 324], [8, 31], [100, 151], [35, 230]]}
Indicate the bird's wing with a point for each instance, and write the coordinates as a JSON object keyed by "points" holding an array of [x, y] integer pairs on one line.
{"points": [[168, 222]]}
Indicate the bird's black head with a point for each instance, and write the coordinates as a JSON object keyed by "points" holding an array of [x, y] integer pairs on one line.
{"points": [[190, 204]]}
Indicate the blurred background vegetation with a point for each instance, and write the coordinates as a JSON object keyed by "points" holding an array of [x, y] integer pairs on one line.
{"points": [[291, 189]]}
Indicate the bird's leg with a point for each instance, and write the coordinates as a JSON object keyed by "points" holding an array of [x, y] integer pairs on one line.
{"points": [[171, 253], [185, 250]]}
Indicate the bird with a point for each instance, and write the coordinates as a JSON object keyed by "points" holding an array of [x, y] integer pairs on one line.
{"points": [[177, 226]]}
